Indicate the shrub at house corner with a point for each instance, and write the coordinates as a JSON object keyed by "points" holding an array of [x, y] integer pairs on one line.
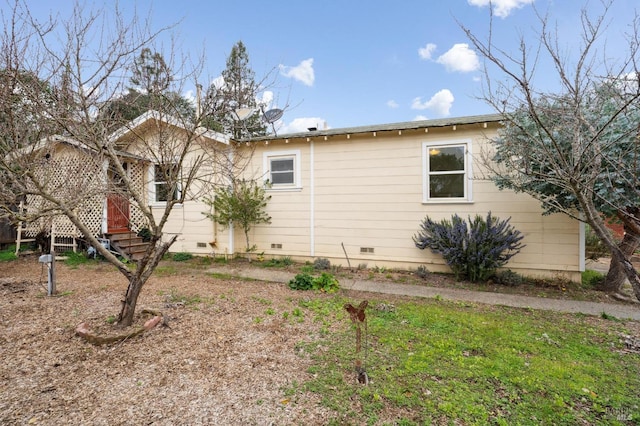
{"points": [[242, 204]]}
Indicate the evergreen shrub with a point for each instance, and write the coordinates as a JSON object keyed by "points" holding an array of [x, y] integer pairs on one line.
{"points": [[473, 251]]}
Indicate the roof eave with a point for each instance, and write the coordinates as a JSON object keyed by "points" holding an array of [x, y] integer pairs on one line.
{"points": [[408, 125]]}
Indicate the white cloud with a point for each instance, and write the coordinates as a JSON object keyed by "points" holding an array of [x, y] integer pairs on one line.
{"points": [[440, 103], [302, 124], [303, 72], [392, 104], [425, 52], [420, 118], [265, 99], [460, 58], [501, 8], [218, 82], [190, 96]]}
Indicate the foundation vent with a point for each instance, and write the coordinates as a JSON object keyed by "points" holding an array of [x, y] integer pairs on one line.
{"points": [[366, 250], [276, 246], [201, 245]]}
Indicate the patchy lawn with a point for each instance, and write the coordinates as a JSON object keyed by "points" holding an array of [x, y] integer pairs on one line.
{"points": [[249, 352]]}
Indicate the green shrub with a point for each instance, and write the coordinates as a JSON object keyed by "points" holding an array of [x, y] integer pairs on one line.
{"points": [[73, 259], [475, 250], [279, 263], [321, 264], [508, 278], [326, 283], [301, 281], [592, 279], [307, 269], [8, 254], [182, 256], [145, 234]]}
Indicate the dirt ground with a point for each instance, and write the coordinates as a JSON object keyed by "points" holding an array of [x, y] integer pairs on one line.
{"points": [[228, 355], [223, 359]]}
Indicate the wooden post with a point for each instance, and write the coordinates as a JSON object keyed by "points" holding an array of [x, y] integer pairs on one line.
{"points": [[53, 236], [51, 289], [19, 238], [19, 231]]}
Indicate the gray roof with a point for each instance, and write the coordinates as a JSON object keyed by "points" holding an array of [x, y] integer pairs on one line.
{"points": [[407, 125]]}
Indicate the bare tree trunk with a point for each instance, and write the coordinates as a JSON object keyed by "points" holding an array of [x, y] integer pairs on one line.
{"points": [[125, 318], [630, 242], [616, 276], [629, 271], [617, 256], [144, 270]]}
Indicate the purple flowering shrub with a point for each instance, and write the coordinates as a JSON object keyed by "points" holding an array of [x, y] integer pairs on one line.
{"points": [[473, 250]]}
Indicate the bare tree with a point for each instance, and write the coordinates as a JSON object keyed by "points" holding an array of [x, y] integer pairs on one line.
{"points": [[84, 61], [576, 150]]}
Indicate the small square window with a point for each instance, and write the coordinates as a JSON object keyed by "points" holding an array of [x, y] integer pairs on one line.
{"points": [[282, 169]]}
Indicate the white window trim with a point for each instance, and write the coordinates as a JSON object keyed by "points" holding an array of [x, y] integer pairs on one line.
{"points": [[468, 198], [152, 187], [297, 178]]}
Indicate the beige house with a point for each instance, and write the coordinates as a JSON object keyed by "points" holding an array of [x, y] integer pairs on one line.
{"points": [[79, 175], [208, 152], [85, 178], [357, 195]]}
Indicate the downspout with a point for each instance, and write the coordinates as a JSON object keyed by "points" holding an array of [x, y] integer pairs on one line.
{"points": [[582, 261], [312, 183], [231, 245], [214, 241]]}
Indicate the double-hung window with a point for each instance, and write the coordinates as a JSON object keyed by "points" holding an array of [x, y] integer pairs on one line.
{"points": [[446, 172], [282, 169], [165, 183]]}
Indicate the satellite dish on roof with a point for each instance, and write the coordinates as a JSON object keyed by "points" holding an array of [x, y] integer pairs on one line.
{"points": [[243, 113], [272, 115]]}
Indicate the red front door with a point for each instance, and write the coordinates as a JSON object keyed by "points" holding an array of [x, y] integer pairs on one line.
{"points": [[117, 214]]}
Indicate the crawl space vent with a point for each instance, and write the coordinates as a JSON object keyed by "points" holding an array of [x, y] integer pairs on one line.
{"points": [[366, 249], [201, 245], [276, 246]]}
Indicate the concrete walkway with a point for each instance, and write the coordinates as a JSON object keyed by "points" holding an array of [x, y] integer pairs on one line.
{"points": [[619, 311]]}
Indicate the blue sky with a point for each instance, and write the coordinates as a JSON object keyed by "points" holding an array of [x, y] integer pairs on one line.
{"points": [[346, 63]]}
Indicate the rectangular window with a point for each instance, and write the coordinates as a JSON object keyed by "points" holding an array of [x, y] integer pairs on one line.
{"points": [[446, 169], [165, 183], [282, 169]]}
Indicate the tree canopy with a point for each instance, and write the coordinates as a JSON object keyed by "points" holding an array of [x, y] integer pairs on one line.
{"points": [[576, 149], [234, 90], [566, 145], [150, 90]]}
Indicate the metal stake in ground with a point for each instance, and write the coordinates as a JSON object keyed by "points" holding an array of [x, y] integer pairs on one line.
{"points": [[359, 318]]}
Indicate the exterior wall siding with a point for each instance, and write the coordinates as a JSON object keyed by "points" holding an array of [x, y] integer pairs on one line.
{"points": [[366, 191]]}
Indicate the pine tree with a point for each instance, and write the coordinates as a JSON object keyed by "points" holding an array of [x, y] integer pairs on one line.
{"points": [[238, 89], [150, 80]]}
